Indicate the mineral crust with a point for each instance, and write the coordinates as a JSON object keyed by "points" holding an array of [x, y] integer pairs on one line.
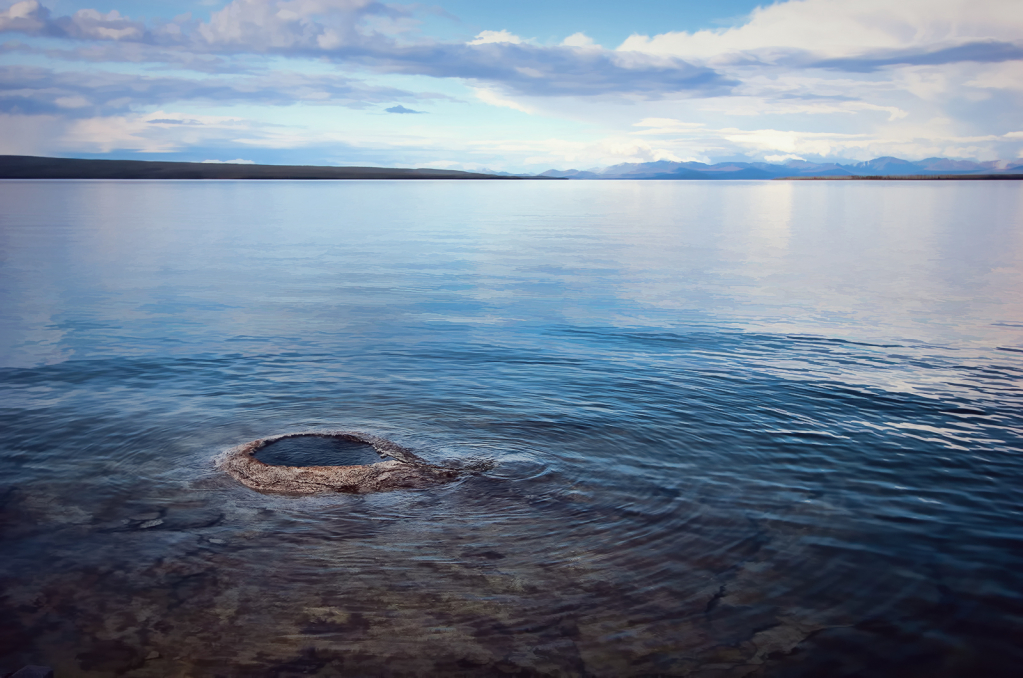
{"points": [[405, 470]]}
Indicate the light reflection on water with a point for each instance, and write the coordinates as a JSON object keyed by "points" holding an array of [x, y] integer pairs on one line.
{"points": [[754, 428]]}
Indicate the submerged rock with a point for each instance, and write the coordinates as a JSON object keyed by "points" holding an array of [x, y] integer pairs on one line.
{"points": [[406, 470]]}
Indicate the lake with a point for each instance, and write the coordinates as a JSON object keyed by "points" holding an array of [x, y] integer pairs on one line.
{"points": [[732, 428]]}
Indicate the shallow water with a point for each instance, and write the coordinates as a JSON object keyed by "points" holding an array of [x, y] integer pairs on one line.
{"points": [[740, 428]]}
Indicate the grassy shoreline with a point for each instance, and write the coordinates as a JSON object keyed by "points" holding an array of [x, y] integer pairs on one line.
{"points": [[35, 167]]}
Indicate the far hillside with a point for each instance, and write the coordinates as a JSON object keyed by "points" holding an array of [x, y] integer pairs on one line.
{"points": [[887, 166]]}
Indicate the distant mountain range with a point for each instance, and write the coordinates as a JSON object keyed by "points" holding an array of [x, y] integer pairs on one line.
{"points": [[887, 166], [32, 167]]}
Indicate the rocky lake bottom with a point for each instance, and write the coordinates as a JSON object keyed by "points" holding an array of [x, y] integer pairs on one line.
{"points": [[737, 430]]}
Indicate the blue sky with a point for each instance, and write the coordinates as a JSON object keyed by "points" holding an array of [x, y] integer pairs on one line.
{"points": [[523, 86]]}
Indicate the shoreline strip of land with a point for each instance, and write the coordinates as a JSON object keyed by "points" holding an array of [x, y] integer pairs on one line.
{"points": [[35, 167], [907, 177]]}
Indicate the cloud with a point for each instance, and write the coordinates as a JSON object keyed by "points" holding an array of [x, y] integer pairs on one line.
{"points": [[999, 76], [838, 29], [363, 32], [161, 131], [237, 161], [26, 17], [36, 91], [933, 140], [666, 126], [837, 34], [579, 40], [786, 105], [800, 34], [535, 70], [288, 25], [30, 134], [487, 37], [249, 25], [401, 109], [985, 51], [797, 78], [554, 152], [492, 98], [32, 18], [173, 121]]}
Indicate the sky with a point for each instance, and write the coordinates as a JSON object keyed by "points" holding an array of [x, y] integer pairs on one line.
{"points": [[522, 86]]}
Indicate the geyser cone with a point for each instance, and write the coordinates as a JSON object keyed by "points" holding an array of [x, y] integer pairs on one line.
{"points": [[404, 471]]}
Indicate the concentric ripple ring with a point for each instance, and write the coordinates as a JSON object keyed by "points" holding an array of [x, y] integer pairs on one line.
{"points": [[405, 471]]}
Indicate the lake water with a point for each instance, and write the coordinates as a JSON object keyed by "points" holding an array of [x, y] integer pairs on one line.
{"points": [[738, 428]]}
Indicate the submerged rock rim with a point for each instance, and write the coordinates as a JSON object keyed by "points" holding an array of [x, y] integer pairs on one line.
{"points": [[405, 470]]}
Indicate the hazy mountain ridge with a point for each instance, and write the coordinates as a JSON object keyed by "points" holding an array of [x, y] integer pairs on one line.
{"points": [[666, 169]]}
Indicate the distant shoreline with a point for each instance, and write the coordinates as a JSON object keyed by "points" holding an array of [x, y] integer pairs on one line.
{"points": [[35, 167], [908, 177]]}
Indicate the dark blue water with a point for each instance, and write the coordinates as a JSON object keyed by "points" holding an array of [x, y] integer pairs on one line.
{"points": [[317, 451], [740, 429]]}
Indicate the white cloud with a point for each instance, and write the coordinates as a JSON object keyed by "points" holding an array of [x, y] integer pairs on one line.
{"points": [[1008, 75], [564, 153], [486, 37], [288, 23], [934, 139], [869, 77], [71, 102], [579, 40], [840, 28], [756, 106], [157, 132], [110, 26], [666, 125], [237, 161], [30, 134], [28, 16], [802, 78], [790, 142], [529, 72], [116, 132], [492, 98]]}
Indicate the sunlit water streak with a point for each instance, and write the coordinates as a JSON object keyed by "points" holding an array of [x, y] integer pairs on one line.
{"points": [[739, 428]]}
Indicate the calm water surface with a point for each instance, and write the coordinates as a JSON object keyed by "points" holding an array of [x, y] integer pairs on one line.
{"points": [[739, 428]]}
